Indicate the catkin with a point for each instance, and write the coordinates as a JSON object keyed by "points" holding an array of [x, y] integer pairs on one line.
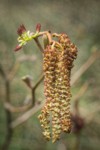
{"points": [[48, 68], [57, 64], [68, 55]]}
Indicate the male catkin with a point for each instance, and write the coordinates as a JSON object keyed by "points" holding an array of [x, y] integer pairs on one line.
{"points": [[57, 64]]}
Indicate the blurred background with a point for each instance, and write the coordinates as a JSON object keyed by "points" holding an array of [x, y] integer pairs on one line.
{"points": [[81, 21]]}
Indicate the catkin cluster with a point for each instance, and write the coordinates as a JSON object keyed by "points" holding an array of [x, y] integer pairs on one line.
{"points": [[57, 63]]}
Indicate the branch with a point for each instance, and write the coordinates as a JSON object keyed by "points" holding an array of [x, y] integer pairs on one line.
{"points": [[2, 73], [17, 64], [34, 89], [8, 114], [24, 108], [14, 109], [48, 34], [81, 92], [91, 115], [13, 71], [76, 98], [27, 81], [38, 82], [84, 67], [26, 116], [38, 44]]}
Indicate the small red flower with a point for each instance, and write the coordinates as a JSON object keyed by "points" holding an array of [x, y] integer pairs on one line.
{"points": [[21, 30], [18, 47]]}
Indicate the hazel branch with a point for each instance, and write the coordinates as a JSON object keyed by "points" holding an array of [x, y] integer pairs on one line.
{"points": [[95, 55]]}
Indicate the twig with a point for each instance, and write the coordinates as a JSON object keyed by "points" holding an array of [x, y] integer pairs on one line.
{"points": [[24, 108], [2, 72], [81, 91], [77, 144], [34, 88], [14, 109], [76, 98], [38, 44], [25, 57], [38, 82], [84, 67], [26, 116], [17, 64], [76, 111], [27, 81], [13, 71], [37, 41], [9, 132], [91, 115]]}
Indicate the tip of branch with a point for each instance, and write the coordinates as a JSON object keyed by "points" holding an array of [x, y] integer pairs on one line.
{"points": [[21, 30], [38, 27], [28, 81], [17, 48]]}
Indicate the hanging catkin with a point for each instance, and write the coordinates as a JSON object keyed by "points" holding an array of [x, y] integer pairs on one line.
{"points": [[49, 80], [57, 63], [68, 54]]}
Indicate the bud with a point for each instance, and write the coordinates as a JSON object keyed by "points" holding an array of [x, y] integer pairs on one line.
{"points": [[21, 30], [45, 40], [38, 27], [28, 81], [17, 48]]}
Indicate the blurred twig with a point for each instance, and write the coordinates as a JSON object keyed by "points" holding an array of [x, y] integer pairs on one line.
{"points": [[38, 44], [78, 121], [78, 96], [9, 132], [13, 71], [14, 109], [81, 91], [32, 100], [25, 116], [17, 64], [91, 115], [84, 67], [34, 88], [28, 82]]}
